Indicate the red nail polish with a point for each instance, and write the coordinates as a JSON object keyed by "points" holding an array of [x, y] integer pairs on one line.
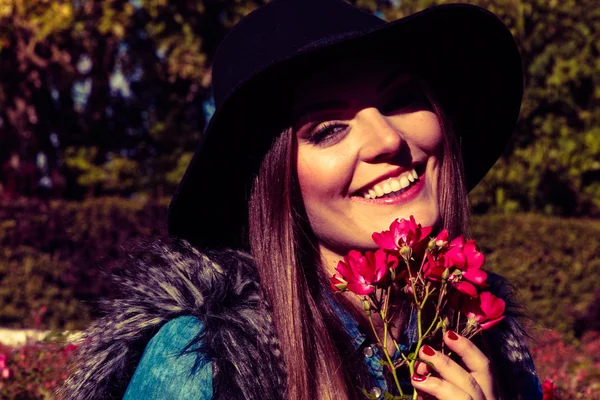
{"points": [[452, 335], [419, 378], [428, 351]]}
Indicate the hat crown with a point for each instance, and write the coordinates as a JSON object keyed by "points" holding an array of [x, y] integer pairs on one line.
{"points": [[279, 30]]}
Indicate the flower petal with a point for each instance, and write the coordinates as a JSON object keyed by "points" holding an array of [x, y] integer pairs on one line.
{"points": [[466, 288], [475, 276], [489, 324], [474, 258], [492, 306], [360, 288], [384, 240], [346, 272]]}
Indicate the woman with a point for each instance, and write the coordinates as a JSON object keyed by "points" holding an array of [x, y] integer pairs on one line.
{"points": [[330, 124]]}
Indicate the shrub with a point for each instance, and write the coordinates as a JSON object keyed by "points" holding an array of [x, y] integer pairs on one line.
{"points": [[573, 368], [54, 255], [554, 263], [33, 371]]}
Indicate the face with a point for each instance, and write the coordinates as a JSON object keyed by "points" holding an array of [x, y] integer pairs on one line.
{"points": [[368, 151]]}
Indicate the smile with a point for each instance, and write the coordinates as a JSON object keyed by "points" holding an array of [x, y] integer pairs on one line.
{"points": [[394, 190], [391, 186]]}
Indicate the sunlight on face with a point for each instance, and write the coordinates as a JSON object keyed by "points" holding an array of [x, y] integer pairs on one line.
{"points": [[369, 151]]}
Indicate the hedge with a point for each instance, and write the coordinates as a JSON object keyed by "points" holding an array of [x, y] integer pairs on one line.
{"points": [[554, 263], [52, 257]]}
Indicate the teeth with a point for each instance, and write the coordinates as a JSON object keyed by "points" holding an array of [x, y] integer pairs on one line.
{"points": [[392, 185], [404, 182]]}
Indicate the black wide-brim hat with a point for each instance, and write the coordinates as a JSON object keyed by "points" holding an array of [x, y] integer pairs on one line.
{"points": [[466, 54]]}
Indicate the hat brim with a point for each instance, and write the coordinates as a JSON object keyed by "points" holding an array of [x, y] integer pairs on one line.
{"points": [[465, 52]]}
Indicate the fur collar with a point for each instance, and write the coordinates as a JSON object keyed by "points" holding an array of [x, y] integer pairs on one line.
{"points": [[163, 280]]}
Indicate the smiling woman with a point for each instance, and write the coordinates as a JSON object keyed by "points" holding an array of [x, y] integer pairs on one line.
{"points": [[367, 153], [324, 132]]}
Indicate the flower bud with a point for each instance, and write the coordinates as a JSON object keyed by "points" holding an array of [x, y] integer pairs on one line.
{"points": [[406, 252], [431, 245], [446, 274], [367, 307]]}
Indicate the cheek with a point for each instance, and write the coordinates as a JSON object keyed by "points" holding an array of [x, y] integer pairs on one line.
{"points": [[429, 132], [322, 175], [422, 130]]}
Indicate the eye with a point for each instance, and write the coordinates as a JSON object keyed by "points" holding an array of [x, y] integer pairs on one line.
{"points": [[410, 97], [328, 133]]}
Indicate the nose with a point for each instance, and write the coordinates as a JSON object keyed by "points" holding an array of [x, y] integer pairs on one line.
{"points": [[380, 140]]}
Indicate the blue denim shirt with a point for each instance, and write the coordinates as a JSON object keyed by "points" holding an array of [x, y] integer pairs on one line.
{"points": [[165, 373]]}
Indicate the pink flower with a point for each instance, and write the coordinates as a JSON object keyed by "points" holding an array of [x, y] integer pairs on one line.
{"points": [[486, 310], [402, 233], [359, 273], [548, 390], [442, 238], [464, 255], [5, 373], [2, 361], [469, 260], [434, 267], [71, 347]]}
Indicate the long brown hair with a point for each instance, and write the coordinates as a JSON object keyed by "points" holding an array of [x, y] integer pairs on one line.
{"points": [[290, 270]]}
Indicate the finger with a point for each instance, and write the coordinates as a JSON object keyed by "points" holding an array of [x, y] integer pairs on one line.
{"points": [[451, 372], [474, 360], [422, 368], [438, 388]]}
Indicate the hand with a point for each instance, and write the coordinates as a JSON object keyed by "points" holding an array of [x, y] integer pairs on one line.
{"points": [[450, 381]]}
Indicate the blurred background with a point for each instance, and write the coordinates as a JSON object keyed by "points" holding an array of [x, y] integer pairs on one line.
{"points": [[103, 101]]}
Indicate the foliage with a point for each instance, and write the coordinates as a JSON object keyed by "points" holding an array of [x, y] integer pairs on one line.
{"points": [[554, 263], [573, 368], [35, 370], [63, 248], [113, 93], [54, 255], [32, 291]]}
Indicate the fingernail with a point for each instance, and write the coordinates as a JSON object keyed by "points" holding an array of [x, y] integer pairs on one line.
{"points": [[428, 351], [419, 378], [452, 335]]}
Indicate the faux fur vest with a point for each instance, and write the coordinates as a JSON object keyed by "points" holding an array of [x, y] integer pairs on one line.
{"points": [[161, 281]]}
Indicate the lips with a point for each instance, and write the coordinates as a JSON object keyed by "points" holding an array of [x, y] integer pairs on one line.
{"points": [[391, 183]]}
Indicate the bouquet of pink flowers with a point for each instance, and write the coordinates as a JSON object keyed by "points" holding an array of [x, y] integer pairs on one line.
{"points": [[438, 275]]}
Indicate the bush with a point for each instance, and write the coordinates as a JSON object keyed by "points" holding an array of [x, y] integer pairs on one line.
{"points": [[573, 368], [33, 371], [32, 290], [554, 263], [54, 255]]}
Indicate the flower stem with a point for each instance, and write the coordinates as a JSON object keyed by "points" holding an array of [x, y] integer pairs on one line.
{"points": [[385, 335]]}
